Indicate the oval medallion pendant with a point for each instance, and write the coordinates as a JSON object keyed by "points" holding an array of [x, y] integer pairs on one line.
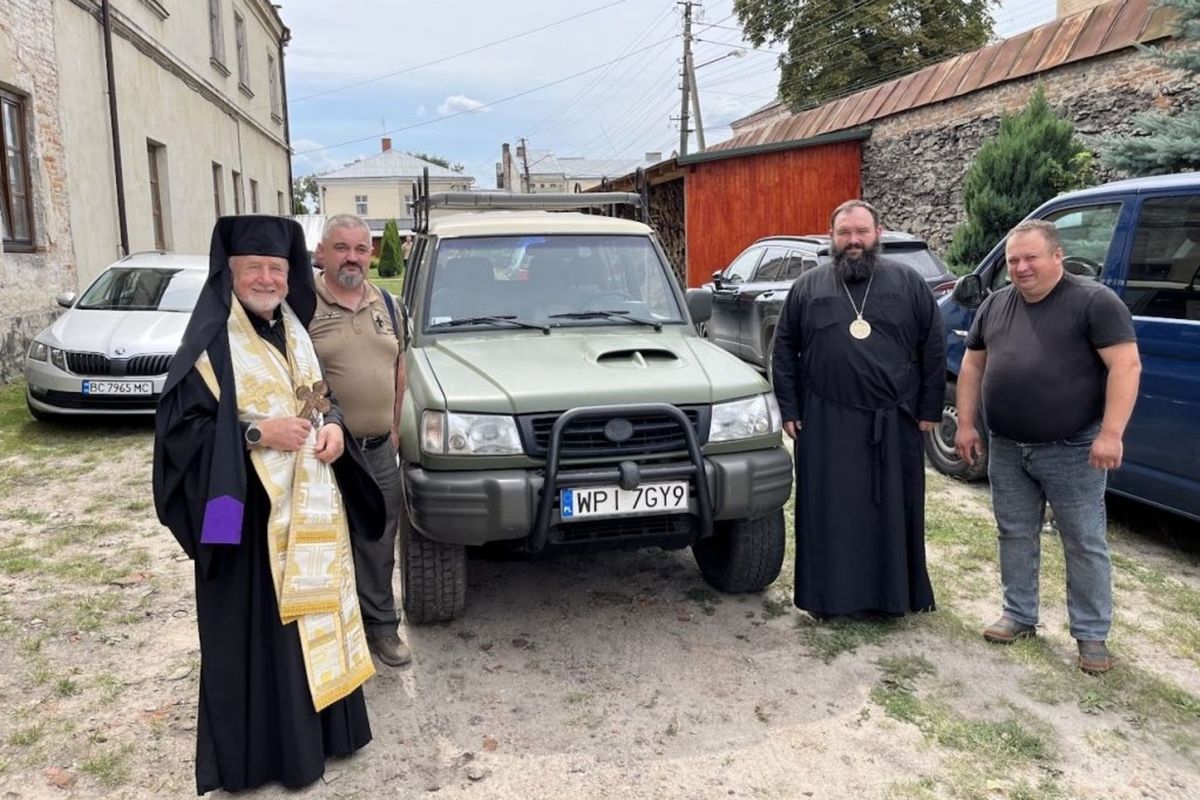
{"points": [[860, 328]]}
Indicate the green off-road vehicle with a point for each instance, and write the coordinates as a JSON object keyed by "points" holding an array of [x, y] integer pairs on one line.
{"points": [[559, 397]]}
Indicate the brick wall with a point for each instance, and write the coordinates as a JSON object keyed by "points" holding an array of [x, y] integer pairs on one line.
{"points": [[914, 162], [29, 281]]}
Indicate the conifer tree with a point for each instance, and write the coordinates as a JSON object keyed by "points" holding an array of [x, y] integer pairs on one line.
{"points": [[1165, 143], [391, 258], [1033, 157]]}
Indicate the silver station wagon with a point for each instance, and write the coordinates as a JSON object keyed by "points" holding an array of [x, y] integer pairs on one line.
{"points": [[110, 351]]}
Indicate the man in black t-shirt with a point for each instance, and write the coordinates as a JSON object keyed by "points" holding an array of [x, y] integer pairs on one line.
{"points": [[1057, 361]]}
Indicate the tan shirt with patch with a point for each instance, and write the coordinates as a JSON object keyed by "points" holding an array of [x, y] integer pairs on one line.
{"points": [[358, 349]]}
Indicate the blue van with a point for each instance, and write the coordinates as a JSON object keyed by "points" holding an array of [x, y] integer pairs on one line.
{"points": [[1141, 238]]}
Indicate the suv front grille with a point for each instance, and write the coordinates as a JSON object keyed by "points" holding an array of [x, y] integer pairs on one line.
{"points": [[652, 433]]}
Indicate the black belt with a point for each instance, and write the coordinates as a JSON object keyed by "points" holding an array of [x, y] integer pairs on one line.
{"points": [[371, 442]]}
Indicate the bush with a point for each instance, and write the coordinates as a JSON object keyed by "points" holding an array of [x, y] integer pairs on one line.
{"points": [[391, 258], [1033, 157]]}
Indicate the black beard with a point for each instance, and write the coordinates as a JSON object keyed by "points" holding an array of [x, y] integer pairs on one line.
{"points": [[854, 269]]}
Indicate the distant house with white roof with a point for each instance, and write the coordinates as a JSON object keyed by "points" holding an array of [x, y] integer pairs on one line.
{"points": [[379, 188], [550, 173]]}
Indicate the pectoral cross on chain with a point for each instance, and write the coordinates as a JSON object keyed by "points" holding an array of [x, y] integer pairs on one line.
{"points": [[316, 402]]}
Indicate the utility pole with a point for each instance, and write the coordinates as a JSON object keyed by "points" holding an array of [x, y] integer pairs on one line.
{"points": [[684, 73], [525, 161]]}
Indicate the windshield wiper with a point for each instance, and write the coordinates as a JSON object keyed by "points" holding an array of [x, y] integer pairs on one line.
{"points": [[609, 314], [510, 319]]}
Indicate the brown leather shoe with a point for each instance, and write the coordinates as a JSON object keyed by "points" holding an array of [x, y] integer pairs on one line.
{"points": [[1094, 657], [390, 650], [1007, 630]]}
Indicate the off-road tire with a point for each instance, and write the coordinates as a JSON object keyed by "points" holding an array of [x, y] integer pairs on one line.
{"points": [[433, 575], [743, 555], [939, 444]]}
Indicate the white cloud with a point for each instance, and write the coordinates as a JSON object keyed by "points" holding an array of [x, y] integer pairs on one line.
{"points": [[422, 111], [456, 103]]}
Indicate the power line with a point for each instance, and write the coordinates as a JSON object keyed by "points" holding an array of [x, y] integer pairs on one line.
{"points": [[482, 106], [459, 54]]}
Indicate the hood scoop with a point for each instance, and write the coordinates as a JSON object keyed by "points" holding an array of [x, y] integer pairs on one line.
{"points": [[638, 358]]}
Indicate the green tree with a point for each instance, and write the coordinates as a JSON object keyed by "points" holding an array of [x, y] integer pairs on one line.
{"points": [[439, 160], [1033, 157], [1163, 143], [391, 258], [304, 190], [835, 49]]}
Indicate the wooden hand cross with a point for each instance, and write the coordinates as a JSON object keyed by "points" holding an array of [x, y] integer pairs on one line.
{"points": [[316, 401]]}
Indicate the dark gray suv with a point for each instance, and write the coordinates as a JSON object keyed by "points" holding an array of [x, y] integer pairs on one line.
{"points": [[748, 294]]}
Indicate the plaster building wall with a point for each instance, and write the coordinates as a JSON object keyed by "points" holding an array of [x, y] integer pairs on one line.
{"points": [[914, 162], [29, 280]]}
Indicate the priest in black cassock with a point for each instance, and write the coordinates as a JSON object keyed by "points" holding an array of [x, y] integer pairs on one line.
{"points": [[255, 477], [860, 373]]}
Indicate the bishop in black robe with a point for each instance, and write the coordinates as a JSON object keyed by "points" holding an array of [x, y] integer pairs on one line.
{"points": [[860, 479], [256, 717]]}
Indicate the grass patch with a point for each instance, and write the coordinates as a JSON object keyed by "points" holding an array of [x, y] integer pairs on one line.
{"points": [[393, 285], [829, 640], [110, 768], [65, 687], [26, 737], [706, 598]]}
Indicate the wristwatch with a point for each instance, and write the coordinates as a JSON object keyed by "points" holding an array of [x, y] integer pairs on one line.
{"points": [[253, 435]]}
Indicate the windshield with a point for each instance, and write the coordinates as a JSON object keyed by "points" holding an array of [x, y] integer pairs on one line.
{"points": [[130, 289], [548, 279]]}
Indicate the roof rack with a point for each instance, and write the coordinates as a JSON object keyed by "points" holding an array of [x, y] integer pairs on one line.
{"points": [[591, 202]]}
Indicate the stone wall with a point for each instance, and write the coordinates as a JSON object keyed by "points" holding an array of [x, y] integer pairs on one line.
{"points": [[914, 162], [29, 281]]}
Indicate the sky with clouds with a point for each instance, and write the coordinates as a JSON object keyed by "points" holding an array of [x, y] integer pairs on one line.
{"points": [[457, 78]]}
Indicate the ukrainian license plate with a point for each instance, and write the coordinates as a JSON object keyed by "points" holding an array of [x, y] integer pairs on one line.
{"points": [[117, 387], [613, 501]]}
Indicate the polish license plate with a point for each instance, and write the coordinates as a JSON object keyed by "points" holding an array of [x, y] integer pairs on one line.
{"points": [[117, 387], [613, 501]]}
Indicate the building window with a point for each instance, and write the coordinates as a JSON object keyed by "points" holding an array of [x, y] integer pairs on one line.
{"points": [[218, 188], [237, 192], [243, 60], [253, 196], [360, 204], [283, 209], [16, 206], [216, 32], [273, 85], [156, 154]]}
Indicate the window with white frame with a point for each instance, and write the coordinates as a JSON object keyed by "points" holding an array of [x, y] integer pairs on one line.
{"points": [[216, 32], [273, 86], [360, 204], [243, 58]]}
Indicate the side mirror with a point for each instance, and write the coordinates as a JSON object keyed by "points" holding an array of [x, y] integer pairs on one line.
{"points": [[968, 292], [65, 299], [699, 304], [716, 278]]}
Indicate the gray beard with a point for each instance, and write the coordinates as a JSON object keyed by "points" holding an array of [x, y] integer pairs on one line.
{"points": [[852, 269], [350, 280]]}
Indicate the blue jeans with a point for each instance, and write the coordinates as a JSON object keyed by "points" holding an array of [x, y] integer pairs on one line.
{"points": [[1024, 478]]}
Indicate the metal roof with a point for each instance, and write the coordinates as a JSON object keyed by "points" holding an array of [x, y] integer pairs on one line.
{"points": [[1102, 29], [391, 164]]}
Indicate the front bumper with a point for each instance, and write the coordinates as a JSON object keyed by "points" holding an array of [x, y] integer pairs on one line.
{"points": [[52, 391], [476, 507]]}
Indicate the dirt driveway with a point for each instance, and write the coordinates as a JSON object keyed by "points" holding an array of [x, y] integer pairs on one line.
{"points": [[602, 675]]}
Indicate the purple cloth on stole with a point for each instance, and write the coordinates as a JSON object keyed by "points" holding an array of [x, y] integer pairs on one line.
{"points": [[222, 521]]}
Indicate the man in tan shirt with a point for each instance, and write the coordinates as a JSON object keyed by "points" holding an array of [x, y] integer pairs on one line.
{"points": [[355, 332]]}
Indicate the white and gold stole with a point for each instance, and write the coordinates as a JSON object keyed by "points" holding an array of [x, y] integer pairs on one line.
{"points": [[307, 534]]}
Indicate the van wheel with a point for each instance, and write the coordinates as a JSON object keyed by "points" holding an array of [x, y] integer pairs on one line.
{"points": [[433, 575], [939, 444], [743, 555]]}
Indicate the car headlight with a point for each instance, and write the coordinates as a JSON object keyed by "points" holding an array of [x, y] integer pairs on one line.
{"points": [[450, 433], [38, 351], [743, 419], [59, 359]]}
